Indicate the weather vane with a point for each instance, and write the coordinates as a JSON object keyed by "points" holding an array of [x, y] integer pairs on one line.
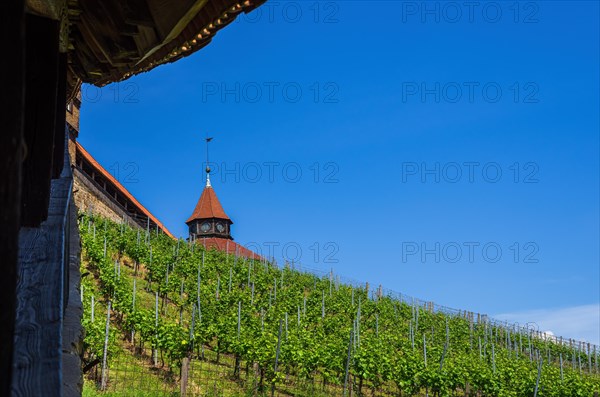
{"points": [[207, 162]]}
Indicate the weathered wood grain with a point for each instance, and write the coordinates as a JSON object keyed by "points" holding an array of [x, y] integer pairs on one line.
{"points": [[43, 258]]}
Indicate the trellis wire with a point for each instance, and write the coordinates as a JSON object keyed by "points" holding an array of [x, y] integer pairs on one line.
{"points": [[434, 307]]}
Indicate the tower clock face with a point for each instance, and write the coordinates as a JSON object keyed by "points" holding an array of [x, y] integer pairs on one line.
{"points": [[220, 227], [205, 227]]}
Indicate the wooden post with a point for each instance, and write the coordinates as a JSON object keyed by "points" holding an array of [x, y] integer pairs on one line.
{"points": [[417, 309], [58, 155], [276, 357], [589, 354], [493, 359], [198, 282], [471, 333], [181, 303], [133, 310], [537, 381], [239, 319], [444, 355], [249, 271], [12, 81], [561, 368], [412, 335], [348, 364], [39, 129], [12, 37], [154, 349], [425, 350], [304, 307], [185, 369], [105, 352]]}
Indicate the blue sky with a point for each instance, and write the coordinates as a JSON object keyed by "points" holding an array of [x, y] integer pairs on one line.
{"points": [[446, 152]]}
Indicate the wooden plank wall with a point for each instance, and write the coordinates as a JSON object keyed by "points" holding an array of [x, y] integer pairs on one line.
{"points": [[12, 40], [43, 261]]}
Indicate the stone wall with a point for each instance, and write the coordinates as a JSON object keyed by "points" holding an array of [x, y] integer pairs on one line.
{"points": [[89, 198]]}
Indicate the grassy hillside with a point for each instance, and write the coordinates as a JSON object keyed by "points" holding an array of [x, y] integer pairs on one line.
{"points": [[239, 327]]}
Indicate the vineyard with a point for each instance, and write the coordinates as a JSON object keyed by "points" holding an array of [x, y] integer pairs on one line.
{"points": [[165, 317]]}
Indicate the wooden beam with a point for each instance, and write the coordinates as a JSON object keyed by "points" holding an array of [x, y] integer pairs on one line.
{"points": [[41, 74], [136, 12], [12, 80], [59, 129], [181, 18]]}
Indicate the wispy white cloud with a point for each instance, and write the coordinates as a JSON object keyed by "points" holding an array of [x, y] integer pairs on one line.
{"points": [[577, 322]]}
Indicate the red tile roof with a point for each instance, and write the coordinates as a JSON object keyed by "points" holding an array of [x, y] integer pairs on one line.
{"points": [[227, 246], [121, 188], [208, 206]]}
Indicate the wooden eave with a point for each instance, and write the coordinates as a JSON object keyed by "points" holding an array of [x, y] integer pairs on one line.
{"points": [[111, 40]]}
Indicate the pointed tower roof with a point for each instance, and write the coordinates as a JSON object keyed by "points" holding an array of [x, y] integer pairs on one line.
{"points": [[208, 206]]}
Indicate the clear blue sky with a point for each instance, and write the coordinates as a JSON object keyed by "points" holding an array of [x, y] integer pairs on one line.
{"points": [[371, 103]]}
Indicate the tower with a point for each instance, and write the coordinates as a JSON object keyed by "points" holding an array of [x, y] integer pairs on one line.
{"points": [[209, 218]]}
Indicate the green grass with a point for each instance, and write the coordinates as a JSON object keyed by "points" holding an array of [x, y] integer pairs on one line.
{"points": [[131, 375]]}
